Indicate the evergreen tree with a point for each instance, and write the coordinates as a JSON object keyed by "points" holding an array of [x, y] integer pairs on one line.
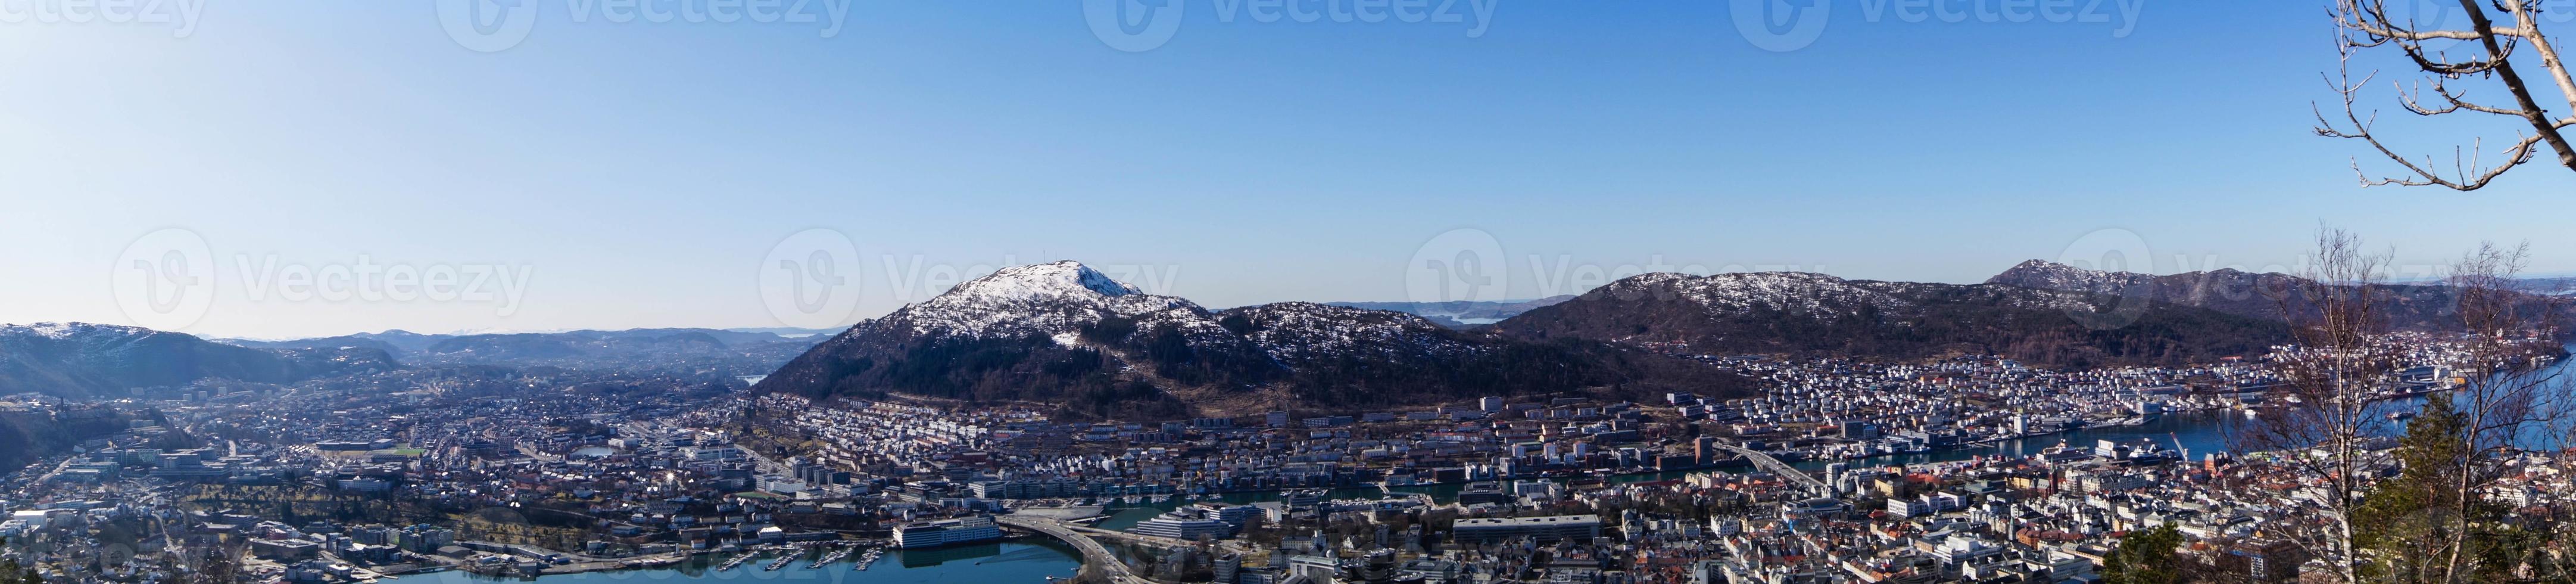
{"points": [[2408, 527], [11, 573], [2145, 557]]}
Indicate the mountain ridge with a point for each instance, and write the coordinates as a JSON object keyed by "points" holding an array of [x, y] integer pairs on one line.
{"points": [[1815, 314], [2412, 306], [1058, 333], [84, 359]]}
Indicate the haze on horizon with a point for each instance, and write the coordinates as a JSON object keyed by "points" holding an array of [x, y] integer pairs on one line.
{"points": [[610, 176]]}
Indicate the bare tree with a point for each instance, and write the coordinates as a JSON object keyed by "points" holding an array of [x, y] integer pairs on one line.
{"points": [[2504, 394], [2497, 32], [2321, 431]]}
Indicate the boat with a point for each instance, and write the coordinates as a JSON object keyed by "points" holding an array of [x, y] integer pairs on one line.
{"points": [[737, 561], [782, 562], [868, 559], [2400, 416], [835, 556]]}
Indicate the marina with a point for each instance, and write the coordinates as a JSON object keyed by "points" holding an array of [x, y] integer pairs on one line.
{"points": [[833, 557]]}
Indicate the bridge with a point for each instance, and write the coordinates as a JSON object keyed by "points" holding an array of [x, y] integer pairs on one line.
{"points": [[1137, 538], [1774, 466], [1095, 557]]}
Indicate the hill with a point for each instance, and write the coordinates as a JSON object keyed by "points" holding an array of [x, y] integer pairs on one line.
{"points": [[1063, 334], [1815, 314]]}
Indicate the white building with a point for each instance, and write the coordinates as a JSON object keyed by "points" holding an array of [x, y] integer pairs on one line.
{"points": [[945, 532]]}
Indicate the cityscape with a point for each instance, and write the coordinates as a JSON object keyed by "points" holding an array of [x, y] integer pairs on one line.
{"points": [[1819, 469], [1287, 292]]}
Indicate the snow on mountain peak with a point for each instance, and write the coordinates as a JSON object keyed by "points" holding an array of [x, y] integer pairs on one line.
{"points": [[1296, 332], [2047, 275], [1042, 281], [1739, 292], [65, 330], [1050, 298]]}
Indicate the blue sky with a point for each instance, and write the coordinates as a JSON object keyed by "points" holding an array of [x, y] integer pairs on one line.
{"points": [[646, 173]]}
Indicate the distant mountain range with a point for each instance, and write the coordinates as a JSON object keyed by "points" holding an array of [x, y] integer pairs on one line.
{"points": [[2550, 286], [79, 359], [1461, 314], [1065, 335], [632, 349], [91, 360]]}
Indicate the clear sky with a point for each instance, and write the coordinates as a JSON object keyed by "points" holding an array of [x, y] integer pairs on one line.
{"points": [[648, 173]]}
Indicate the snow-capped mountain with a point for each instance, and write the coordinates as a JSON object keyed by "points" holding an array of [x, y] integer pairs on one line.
{"points": [[2265, 296], [2047, 275], [1062, 302], [1303, 332], [1795, 292], [1819, 296], [1789, 312], [91, 359], [1064, 333], [1043, 299]]}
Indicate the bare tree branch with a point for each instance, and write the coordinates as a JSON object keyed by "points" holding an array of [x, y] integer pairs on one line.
{"points": [[2369, 24]]}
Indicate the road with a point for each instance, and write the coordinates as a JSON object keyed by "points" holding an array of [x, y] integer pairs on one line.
{"points": [[1094, 555], [1774, 466]]}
